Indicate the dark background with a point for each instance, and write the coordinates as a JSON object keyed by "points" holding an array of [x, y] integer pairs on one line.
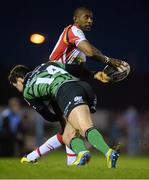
{"points": [[120, 30]]}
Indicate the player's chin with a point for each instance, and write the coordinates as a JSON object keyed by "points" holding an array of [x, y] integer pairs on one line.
{"points": [[87, 28]]}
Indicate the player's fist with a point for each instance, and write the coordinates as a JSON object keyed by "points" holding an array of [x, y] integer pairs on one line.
{"points": [[101, 76]]}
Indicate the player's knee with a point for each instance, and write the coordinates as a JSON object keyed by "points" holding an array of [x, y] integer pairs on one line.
{"points": [[88, 131], [67, 138], [84, 131]]}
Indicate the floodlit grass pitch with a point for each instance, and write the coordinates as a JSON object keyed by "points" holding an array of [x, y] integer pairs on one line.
{"points": [[54, 166]]}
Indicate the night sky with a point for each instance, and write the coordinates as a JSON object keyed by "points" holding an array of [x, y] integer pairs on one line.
{"points": [[120, 30]]}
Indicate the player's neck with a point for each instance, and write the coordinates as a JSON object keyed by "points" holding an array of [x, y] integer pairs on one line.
{"points": [[76, 25]]}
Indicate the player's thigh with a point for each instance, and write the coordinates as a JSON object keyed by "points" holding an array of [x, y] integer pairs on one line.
{"points": [[70, 95], [80, 118]]}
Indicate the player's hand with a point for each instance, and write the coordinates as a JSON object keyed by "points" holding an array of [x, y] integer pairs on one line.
{"points": [[117, 63], [101, 76]]}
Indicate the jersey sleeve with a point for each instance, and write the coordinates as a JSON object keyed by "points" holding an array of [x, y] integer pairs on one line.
{"points": [[76, 35], [42, 109], [79, 71]]}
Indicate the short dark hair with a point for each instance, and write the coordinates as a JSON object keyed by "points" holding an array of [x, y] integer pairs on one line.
{"points": [[19, 71], [83, 8]]}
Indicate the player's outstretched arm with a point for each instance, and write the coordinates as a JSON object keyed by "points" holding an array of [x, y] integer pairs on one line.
{"points": [[91, 51], [43, 110], [80, 71]]}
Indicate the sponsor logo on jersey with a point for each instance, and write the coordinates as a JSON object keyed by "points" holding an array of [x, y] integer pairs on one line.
{"points": [[78, 100]]}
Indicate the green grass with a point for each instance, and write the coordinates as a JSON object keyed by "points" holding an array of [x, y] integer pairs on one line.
{"points": [[54, 166]]}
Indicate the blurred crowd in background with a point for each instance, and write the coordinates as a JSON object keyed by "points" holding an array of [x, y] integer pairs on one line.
{"points": [[22, 129]]}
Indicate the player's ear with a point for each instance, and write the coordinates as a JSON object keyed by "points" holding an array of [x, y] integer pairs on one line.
{"points": [[20, 80], [74, 18]]}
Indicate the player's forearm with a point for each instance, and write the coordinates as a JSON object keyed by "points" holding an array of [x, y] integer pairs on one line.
{"points": [[91, 51], [79, 71], [42, 109], [48, 116], [97, 55]]}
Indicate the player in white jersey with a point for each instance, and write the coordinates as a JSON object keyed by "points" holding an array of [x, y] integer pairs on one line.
{"points": [[73, 47]]}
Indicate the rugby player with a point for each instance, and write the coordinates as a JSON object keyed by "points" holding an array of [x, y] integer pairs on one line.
{"points": [[72, 48], [75, 98]]}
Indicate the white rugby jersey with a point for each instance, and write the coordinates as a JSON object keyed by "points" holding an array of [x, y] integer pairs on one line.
{"points": [[66, 50]]}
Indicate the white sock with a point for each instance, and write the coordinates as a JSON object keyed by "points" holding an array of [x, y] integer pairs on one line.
{"points": [[51, 144], [71, 156]]}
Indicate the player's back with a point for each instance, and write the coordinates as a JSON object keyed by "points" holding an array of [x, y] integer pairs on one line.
{"points": [[45, 80]]}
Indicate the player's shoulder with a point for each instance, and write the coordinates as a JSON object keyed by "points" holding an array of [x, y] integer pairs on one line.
{"points": [[76, 30]]}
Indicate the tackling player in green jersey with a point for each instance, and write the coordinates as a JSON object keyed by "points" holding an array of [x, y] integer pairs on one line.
{"points": [[50, 82]]}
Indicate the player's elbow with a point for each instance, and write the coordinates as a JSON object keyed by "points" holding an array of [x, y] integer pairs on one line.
{"points": [[86, 48], [89, 53]]}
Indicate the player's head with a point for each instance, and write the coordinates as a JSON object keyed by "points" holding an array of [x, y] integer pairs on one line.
{"points": [[83, 17], [17, 75]]}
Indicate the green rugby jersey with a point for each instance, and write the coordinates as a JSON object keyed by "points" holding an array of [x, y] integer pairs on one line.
{"points": [[45, 80]]}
